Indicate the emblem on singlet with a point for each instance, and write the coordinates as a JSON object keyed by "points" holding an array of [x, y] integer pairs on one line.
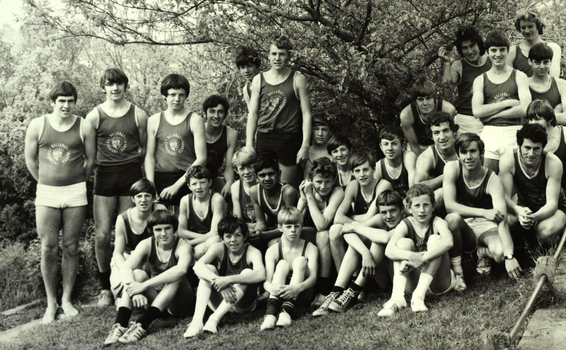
{"points": [[58, 153], [174, 144], [500, 97], [276, 101], [116, 142]]}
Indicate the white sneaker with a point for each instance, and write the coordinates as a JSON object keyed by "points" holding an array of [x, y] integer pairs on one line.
{"points": [[115, 333], [268, 322], [418, 305], [391, 307], [193, 330], [210, 327], [284, 320]]}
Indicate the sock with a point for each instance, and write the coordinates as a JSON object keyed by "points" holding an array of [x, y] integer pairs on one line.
{"points": [[289, 307], [224, 307], [337, 289], [399, 282], [149, 316], [104, 279], [325, 285], [123, 316], [272, 306], [456, 264], [356, 288], [424, 282]]}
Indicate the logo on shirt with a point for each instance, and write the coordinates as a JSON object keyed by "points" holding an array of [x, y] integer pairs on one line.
{"points": [[116, 142], [500, 97], [276, 101], [58, 153], [174, 144]]}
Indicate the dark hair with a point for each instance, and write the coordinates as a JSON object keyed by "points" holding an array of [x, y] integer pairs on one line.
{"points": [[323, 167], [358, 159], [229, 224], [541, 51], [283, 43], [320, 119], [162, 217], [423, 87], [337, 141], [530, 16], [143, 185], [247, 55], [197, 172], [464, 140], [389, 132], [213, 101], [533, 132], [175, 81], [468, 33], [389, 197], [418, 190], [496, 39], [63, 88], [437, 118], [266, 163], [114, 75], [541, 109]]}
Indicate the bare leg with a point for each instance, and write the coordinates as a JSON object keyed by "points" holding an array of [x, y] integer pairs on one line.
{"points": [[337, 245], [104, 216], [325, 256], [289, 174], [73, 219]]}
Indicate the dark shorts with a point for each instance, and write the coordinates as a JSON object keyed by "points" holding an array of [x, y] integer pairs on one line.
{"points": [[283, 147], [164, 180], [116, 180]]}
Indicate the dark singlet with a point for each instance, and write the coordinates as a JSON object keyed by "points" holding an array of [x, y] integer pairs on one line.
{"points": [[420, 242], [477, 196], [132, 238], [195, 223], [227, 268], [157, 266], [215, 153], [246, 204], [360, 206], [552, 95], [500, 92], [401, 183], [561, 154], [117, 139], [522, 63], [175, 145], [421, 129], [248, 91], [342, 183], [282, 256], [61, 155], [439, 163], [270, 213], [463, 102], [279, 109]]}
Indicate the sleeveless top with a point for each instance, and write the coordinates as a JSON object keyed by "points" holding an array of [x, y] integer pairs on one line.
{"points": [[359, 205], [195, 223], [308, 221], [132, 238], [215, 153], [227, 268], [282, 256], [117, 140], [246, 205], [439, 163], [561, 154], [421, 129], [463, 102], [552, 95], [500, 92], [157, 266], [248, 91], [270, 213], [279, 108], [420, 242], [61, 155], [341, 182], [522, 63], [175, 145], [401, 183], [477, 196]]}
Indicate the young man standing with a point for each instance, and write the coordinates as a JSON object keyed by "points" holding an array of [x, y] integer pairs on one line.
{"points": [[248, 63], [280, 113], [59, 154], [121, 137]]}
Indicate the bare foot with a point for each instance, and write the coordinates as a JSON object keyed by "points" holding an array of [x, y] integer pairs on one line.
{"points": [[50, 313], [69, 310]]}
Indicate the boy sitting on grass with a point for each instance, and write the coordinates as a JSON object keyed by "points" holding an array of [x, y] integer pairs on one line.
{"points": [[242, 206], [419, 250], [229, 275], [165, 289], [291, 267]]}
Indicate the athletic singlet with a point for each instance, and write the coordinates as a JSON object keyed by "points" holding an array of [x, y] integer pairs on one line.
{"points": [[522, 63], [401, 183], [215, 153], [156, 265], [420, 242], [308, 221], [282, 256], [175, 145], [132, 238], [279, 108], [552, 95], [270, 213], [500, 92], [359, 205], [344, 183], [246, 204], [439, 163], [117, 138], [477, 196], [195, 223], [421, 129], [463, 102], [248, 91], [227, 268], [61, 155], [561, 154]]}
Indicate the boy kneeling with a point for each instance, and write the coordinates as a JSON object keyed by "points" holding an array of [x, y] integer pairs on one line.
{"points": [[167, 289], [229, 275]]}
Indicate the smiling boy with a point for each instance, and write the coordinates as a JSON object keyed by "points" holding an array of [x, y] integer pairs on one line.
{"points": [[242, 205]]}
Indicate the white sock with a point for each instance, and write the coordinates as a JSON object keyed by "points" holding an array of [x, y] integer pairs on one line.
{"points": [[456, 264], [424, 282]]}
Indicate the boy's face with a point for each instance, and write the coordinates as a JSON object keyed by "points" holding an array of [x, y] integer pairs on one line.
{"points": [[391, 215], [470, 50], [363, 173], [143, 201], [321, 134], [63, 106], [279, 58], [200, 187], [497, 55], [249, 71], [425, 104], [541, 67], [470, 157], [290, 232], [176, 99], [164, 234], [528, 30], [215, 116], [268, 178], [246, 172], [443, 136], [114, 91], [531, 152], [234, 241], [540, 121], [392, 149], [341, 155], [421, 208], [323, 185]]}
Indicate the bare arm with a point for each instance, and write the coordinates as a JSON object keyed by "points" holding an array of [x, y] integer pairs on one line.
{"points": [[511, 56], [342, 211], [251, 125], [301, 84], [555, 65], [141, 118], [374, 234], [228, 168], [197, 129], [235, 194], [184, 254], [32, 147], [520, 110], [119, 243], [410, 162], [424, 169], [323, 221], [481, 110], [446, 241], [149, 161], [218, 211], [560, 110], [247, 276], [451, 173], [506, 173], [554, 175], [407, 122]]}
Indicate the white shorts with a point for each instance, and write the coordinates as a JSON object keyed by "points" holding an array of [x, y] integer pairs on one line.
{"points": [[468, 123], [498, 139], [480, 225], [61, 196]]}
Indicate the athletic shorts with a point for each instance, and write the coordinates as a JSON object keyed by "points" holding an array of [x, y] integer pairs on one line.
{"points": [[468, 123], [480, 225], [247, 303], [283, 147], [61, 197], [164, 180], [116, 180], [498, 139], [452, 285]]}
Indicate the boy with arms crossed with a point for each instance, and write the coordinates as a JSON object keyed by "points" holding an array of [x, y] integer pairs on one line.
{"points": [[242, 205]]}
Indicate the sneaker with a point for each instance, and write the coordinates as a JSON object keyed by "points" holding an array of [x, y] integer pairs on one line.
{"points": [[105, 298], [323, 309], [418, 305], [484, 265], [284, 319], [210, 327], [318, 300], [341, 303], [362, 297], [391, 307], [268, 322], [193, 330], [460, 284], [115, 333], [133, 334]]}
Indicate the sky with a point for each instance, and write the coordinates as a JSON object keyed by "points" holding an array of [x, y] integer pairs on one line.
{"points": [[9, 9]]}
